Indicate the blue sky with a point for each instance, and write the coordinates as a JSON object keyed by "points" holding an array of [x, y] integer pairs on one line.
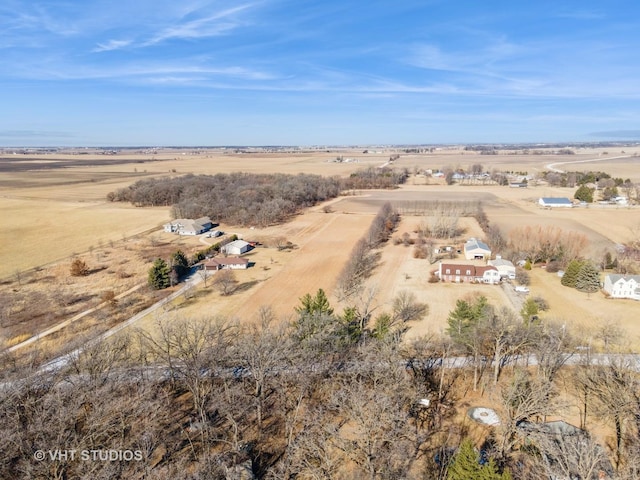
{"points": [[285, 72]]}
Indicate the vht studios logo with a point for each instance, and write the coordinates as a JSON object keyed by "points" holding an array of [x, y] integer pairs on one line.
{"points": [[88, 455]]}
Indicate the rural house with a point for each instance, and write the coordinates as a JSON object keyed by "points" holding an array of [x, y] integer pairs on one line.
{"points": [[474, 249], [449, 272], [237, 247], [622, 286], [233, 263], [505, 267], [555, 202], [186, 226]]}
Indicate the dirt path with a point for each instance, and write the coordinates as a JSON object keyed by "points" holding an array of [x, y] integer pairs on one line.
{"points": [[69, 321]]}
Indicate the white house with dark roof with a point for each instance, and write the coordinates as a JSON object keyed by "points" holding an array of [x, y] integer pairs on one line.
{"points": [[187, 226], [622, 286], [555, 202], [474, 249]]}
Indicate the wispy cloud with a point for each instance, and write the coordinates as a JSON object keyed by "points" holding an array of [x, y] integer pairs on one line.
{"points": [[111, 45], [216, 24]]}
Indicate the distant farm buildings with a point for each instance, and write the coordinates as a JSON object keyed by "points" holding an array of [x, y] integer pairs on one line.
{"points": [[555, 202], [186, 226]]}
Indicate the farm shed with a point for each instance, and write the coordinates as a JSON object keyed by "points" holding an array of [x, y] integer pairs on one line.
{"points": [[555, 202], [474, 249], [237, 247]]}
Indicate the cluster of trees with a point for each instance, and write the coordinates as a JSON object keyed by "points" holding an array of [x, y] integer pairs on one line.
{"points": [[238, 198], [162, 274], [582, 275], [371, 177], [364, 257], [247, 198], [607, 185], [606, 390], [538, 243], [326, 396]]}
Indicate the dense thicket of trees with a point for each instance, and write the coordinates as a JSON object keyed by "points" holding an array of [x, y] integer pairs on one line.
{"points": [[315, 398], [248, 198]]}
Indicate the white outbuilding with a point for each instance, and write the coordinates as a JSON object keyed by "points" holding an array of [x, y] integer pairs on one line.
{"points": [[237, 247], [474, 249]]}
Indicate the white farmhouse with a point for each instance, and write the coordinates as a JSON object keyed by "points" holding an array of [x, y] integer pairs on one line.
{"points": [[505, 267], [237, 247], [622, 286], [186, 226], [474, 249]]}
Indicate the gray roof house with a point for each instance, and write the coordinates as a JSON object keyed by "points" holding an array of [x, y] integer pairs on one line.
{"points": [[187, 226], [505, 267]]}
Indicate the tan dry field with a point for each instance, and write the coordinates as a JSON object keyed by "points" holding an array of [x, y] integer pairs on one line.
{"points": [[53, 213]]}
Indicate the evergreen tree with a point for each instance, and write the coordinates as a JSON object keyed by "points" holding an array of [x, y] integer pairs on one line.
{"points": [[588, 278], [584, 194], [464, 318], [314, 305], [529, 310], [571, 273], [179, 263], [466, 465], [159, 275]]}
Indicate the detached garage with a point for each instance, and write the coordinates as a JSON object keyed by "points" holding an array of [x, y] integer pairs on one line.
{"points": [[237, 247]]}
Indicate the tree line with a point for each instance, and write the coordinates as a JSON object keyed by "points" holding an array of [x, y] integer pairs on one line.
{"points": [[248, 198]]}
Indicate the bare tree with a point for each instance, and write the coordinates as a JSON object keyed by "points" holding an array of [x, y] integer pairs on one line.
{"points": [[263, 349], [521, 399], [406, 307], [225, 281], [567, 452]]}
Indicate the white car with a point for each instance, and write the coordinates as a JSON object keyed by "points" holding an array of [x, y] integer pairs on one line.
{"points": [[522, 289]]}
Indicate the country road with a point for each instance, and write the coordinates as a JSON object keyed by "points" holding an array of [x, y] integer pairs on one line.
{"points": [[551, 166]]}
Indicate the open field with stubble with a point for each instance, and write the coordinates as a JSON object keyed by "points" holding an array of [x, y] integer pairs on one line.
{"points": [[55, 206]]}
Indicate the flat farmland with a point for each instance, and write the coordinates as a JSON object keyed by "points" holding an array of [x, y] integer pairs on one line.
{"points": [[37, 232], [54, 206]]}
